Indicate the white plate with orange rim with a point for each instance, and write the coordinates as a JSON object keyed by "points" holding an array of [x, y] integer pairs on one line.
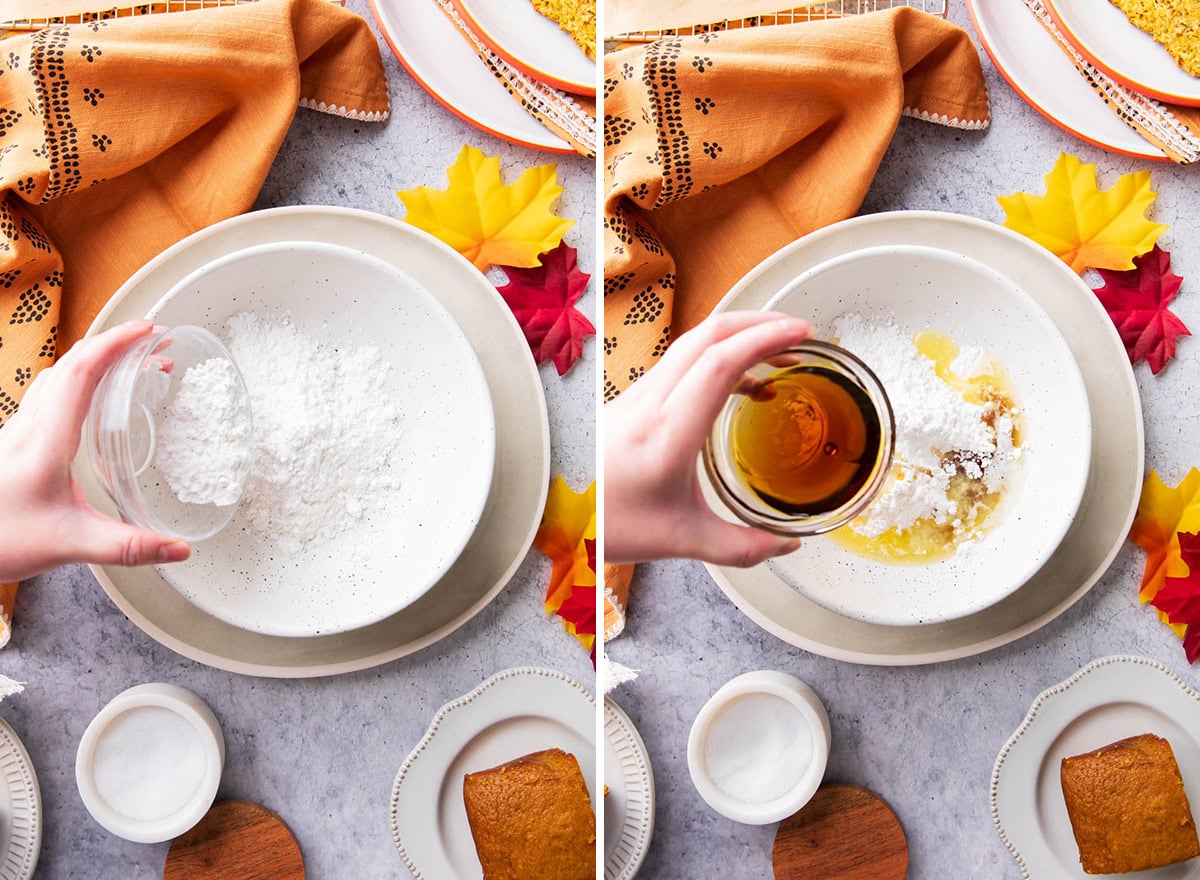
{"points": [[438, 56], [20, 809], [629, 804], [1102, 34], [514, 713], [1107, 700], [531, 42], [920, 288], [522, 471], [1028, 57], [1114, 479]]}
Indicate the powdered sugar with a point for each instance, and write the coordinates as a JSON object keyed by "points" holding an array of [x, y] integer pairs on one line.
{"points": [[326, 428], [205, 442], [938, 432]]}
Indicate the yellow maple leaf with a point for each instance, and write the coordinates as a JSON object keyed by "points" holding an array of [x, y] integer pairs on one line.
{"points": [[1087, 228], [1163, 512], [484, 220], [569, 520]]}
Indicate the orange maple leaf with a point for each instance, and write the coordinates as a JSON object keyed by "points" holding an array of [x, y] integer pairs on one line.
{"points": [[1084, 226], [1163, 512], [567, 524]]}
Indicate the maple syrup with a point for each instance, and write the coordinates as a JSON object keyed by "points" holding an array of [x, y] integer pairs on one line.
{"points": [[807, 440]]}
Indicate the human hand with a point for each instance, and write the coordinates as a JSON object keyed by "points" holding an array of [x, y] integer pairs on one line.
{"points": [[45, 520], [653, 507]]}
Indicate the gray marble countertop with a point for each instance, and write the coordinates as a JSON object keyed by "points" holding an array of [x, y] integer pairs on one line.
{"points": [[925, 738], [322, 753]]}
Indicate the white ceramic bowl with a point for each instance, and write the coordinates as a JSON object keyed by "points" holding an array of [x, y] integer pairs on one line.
{"points": [[398, 550], [926, 288], [121, 714], [793, 692]]}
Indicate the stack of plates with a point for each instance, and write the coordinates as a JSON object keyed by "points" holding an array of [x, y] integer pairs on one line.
{"points": [[837, 605], [438, 56], [310, 615], [1036, 67]]}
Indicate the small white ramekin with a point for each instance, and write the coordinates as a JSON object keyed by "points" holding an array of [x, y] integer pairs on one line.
{"points": [[188, 706], [798, 694]]}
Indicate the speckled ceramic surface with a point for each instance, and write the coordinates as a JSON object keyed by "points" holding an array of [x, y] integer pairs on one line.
{"points": [[443, 62], [922, 288], [347, 300], [629, 804], [1041, 73], [1114, 480], [513, 713], [1109, 699], [522, 457], [20, 809], [1103, 35]]}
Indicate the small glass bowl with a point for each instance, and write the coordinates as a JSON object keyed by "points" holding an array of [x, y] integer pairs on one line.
{"points": [[748, 505], [121, 432]]}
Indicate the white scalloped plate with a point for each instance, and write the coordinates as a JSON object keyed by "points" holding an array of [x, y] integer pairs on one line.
{"points": [[513, 713], [20, 809], [1107, 700], [629, 804]]}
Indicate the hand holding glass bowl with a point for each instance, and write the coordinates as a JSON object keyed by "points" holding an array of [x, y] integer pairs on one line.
{"points": [[45, 520]]}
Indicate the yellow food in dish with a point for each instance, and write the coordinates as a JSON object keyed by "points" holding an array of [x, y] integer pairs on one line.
{"points": [[576, 17], [1175, 24]]}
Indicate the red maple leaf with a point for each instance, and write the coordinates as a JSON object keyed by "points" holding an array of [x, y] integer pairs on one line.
{"points": [[1191, 643], [543, 300], [1137, 300], [589, 544], [580, 610], [1179, 598]]}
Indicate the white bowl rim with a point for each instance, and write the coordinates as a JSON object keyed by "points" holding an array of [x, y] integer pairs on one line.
{"points": [[794, 692]]}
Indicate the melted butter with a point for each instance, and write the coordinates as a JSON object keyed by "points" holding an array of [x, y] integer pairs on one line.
{"points": [[926, 540]]}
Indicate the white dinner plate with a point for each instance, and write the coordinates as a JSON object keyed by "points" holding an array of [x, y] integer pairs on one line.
{"points": [[439, 57], [532, 43], [629, 804], [1103, 35], [20, 809], [1029, 58], [923, 288], [1114, 479], [513, 713], [407, 537], [1107, 700], [519, 482]]}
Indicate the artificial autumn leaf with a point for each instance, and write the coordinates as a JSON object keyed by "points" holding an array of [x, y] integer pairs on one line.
{"points": [[1137, 303], [543, 300], [579, 615], [1191, 644], [1162, 513], [569, 520], [484, 220], [1179, 598], [1087, 228]]}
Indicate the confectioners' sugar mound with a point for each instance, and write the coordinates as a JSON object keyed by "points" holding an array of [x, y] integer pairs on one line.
{"points": [[938, 433], [205, 445], [325, 425]]}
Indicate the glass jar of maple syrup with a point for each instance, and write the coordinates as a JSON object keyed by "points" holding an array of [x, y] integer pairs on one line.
{"points": [[805, 442]]}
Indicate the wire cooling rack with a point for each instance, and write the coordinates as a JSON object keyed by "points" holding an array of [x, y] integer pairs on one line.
{"points": [[811, 12], [121, 11]]}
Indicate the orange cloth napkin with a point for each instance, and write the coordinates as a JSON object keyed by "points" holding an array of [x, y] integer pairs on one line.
{"points": [[118, 138], [720, 148]]}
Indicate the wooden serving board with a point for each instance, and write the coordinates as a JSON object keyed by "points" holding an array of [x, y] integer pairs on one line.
{"points": [[236, 840], [844, 833]]}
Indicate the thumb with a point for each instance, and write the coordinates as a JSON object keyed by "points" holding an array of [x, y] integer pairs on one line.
{"points": [[723, 543], [105, 541]]}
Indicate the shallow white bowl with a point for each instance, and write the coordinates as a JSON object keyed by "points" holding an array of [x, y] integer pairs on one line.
{"points": [[348, 299], [196, 713], [789, 689], [926, 288]]}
